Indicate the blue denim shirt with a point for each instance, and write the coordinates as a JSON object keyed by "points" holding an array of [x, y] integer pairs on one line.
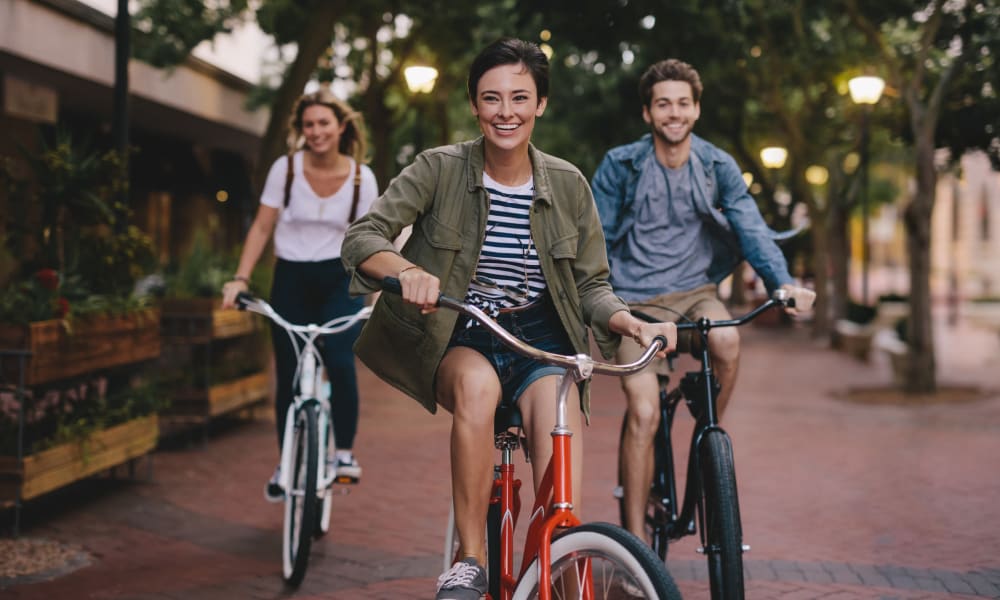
{"points": [[721, 198]]}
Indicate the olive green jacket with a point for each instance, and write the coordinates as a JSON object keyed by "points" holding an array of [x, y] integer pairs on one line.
{"points": [[442, 195]]}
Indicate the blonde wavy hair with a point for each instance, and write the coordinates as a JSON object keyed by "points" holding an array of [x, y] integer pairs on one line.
{"points": [[353, 141]]}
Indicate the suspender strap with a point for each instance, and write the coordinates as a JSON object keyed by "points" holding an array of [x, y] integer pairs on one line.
{"points": [[288, 180], [357, 187], [357, 192]]}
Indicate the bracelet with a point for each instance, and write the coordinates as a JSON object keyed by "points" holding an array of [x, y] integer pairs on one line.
{"points": [[245, 280], [404, 270]]}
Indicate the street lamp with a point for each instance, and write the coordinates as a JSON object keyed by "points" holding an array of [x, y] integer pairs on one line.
{"points": [[420, 79], [866, 91], [774, 158]]}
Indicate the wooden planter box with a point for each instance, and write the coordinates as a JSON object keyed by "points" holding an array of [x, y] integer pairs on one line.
{"points": [[220, 398], [94, 343], [61, 465], [201, 320]]}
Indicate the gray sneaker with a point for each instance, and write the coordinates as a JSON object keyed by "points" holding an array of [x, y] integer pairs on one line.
{"points": [[465, 580]]}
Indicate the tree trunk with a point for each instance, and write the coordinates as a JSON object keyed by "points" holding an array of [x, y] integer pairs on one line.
{"points": [[821, 272], [838, 245], [920, 371], [314, 41]]}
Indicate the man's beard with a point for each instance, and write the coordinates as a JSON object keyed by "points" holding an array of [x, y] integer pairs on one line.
{"points": [[658, 132]]}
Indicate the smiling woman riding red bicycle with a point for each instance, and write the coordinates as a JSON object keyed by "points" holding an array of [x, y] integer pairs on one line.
{"points": [[514, 232]]}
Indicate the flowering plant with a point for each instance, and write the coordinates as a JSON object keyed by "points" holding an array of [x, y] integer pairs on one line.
{"points": [[78, 256], [40, 297]]}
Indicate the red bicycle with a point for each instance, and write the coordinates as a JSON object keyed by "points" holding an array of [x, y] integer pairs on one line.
{"points": [[562, 558]]}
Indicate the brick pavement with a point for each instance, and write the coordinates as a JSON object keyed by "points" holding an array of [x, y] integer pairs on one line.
{"points": [[840, 500]]}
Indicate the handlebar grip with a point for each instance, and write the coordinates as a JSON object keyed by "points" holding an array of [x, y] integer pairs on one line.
{"points": [[242, 299], [392, 285], [662, 340], [790, 303]]}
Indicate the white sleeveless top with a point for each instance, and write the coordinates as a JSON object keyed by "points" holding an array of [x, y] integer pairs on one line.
{"points": [[311, 228]]}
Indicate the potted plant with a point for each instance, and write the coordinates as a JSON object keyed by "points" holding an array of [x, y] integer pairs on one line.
{"points": [[70, 305], [206, 358]]}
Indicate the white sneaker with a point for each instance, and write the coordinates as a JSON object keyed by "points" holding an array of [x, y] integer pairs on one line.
{"points": [[273, 491], [348, 470]]}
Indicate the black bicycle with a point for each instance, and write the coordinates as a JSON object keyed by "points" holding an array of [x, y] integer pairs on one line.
{"points": [[711, 506]]}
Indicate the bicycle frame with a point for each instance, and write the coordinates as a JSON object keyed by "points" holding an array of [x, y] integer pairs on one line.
{"points": [[555, 491], [701, 389], [308, 377]]}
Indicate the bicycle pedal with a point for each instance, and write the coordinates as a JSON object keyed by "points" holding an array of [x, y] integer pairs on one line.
{"points": [[746, 547], [345, 479]]}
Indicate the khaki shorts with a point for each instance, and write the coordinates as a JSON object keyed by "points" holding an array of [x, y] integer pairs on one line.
{"points": [[675, 307]]}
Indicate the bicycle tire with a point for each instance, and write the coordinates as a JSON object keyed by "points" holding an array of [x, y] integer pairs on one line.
{"points": [[493, 524], [616, 560], [657, 517], [300, 500], [721, 526], [326, 504]]}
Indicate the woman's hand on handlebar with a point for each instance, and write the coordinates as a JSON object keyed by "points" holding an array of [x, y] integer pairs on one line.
{"points": [[650, 331], [624, 323], [420, 288], [230, 290]]}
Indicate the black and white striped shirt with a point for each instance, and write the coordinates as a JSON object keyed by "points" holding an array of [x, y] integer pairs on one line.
{"points": [[508, 273]]}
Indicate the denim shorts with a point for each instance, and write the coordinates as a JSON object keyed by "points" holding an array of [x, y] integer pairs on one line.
{"points": [[538, 325]]}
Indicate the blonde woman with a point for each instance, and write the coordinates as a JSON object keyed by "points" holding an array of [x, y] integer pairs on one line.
{"points": [[310, 198]]}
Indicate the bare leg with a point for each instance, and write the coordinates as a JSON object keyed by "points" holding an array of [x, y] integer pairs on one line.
{"points": [[538, 410], [724, 346], [467, 386], [641, 420]]}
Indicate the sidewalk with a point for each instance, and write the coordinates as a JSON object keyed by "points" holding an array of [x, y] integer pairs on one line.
{"points": [[839, 499]]}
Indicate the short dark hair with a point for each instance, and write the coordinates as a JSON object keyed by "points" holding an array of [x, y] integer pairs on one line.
{"points": [[669, 70], [511, 51]]}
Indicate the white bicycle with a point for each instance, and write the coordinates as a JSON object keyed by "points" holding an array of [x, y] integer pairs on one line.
{"points": [[307, 480]]}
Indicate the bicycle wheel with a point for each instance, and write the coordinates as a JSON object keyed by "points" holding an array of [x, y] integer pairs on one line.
{"points": [[326, 469], [657, 512], [300, 500], [493, 524], [723, 533], [611, 561]]}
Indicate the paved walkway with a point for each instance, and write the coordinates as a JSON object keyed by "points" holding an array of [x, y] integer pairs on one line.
{"points": [[839, 499]]}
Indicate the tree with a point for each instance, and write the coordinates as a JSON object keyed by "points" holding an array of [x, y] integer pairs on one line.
{"points": [[928, 49]]}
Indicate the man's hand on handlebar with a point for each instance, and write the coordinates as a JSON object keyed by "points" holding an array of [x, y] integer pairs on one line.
{"points": [[800, 299]]}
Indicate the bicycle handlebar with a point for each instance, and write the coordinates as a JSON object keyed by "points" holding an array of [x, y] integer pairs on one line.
{"points": [[247, 301], [583, 364], [779, 298]]}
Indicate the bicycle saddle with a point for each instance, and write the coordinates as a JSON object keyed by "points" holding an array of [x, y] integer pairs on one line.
{"points": [[508, 416]]}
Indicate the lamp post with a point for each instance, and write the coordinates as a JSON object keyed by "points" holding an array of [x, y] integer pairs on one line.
{"points": [[774, 158], [420, 79], [865, 90]]}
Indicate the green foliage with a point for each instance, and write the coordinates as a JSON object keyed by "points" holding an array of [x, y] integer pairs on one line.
{"points": [[168, 30], [202, 272], [82, 261], [111, 262]]}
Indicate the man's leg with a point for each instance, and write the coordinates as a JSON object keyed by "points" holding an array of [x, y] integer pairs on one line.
{"points": [[466, 383], [724, 348]]}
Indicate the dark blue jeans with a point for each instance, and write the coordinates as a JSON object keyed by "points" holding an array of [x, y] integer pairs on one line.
{"points": [[537, 325], [315, 292]]}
